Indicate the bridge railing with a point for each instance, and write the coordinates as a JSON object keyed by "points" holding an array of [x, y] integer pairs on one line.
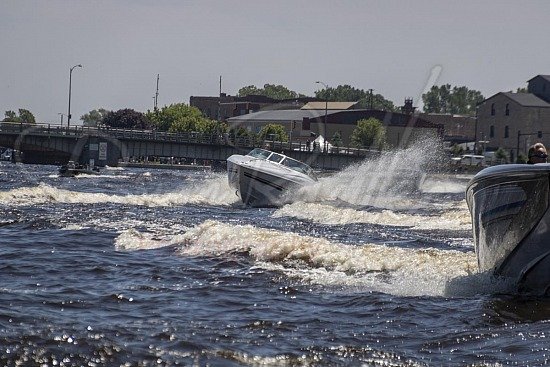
{"points": [[16, 128]]}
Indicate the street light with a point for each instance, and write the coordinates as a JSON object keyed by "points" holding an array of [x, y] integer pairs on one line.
{"points": [[326, 108], [70, 79]]}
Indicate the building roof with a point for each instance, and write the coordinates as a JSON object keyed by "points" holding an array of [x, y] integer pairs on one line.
{"points": [[281, 115], [527, 99], [523, 99], [329, 105], [547, 77]]}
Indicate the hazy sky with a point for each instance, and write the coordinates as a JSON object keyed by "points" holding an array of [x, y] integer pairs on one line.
{"points": [[395, 47]]}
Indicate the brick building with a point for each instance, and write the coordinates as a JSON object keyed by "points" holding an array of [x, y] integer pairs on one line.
{"points": [[458, 129], [514, 121]]}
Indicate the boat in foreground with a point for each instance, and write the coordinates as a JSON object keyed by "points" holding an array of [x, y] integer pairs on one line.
{"points": [[509, 205], [71, 169], [265, 178]]}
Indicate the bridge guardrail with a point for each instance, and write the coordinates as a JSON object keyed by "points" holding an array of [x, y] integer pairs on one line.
{"points": [[153, 135]]}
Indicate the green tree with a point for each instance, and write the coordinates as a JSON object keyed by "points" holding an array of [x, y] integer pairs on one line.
{"points": [[522, 158], [241, 133], [336, 139], [94, 117], [250, 90], [269, 90], [369, 133], [501, 155], [126, 119], [452, 100], [521, 90], [457, 150], [364, 99], [11, 116], [179, 117], [25, 116], [273, 132], [212, 127]]}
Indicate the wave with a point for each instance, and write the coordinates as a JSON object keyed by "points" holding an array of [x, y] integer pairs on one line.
{"points": [[209, 192], [455, 218], [393, 270]]}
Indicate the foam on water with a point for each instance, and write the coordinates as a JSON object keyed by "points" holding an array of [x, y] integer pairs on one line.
{"points": [[454, 219], [394, 270], [212, 191], [131, 239]]}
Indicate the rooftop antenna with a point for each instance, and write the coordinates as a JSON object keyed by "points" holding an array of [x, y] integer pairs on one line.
{"points": [[220, 85], [157, 93]]}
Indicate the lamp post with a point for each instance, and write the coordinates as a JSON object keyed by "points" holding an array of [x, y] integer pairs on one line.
{"points": [[70, 80], [326, 108]]}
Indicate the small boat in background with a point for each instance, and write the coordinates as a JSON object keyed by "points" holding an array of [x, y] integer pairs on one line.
{"points": [[509, 205], [71, 169], [263, 178]]}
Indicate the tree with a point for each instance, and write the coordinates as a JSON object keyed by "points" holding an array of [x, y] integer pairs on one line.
{"points": [[11, 117], [336, 139], [455, 100], [274, 132], [126, 119], [522, 158], [457, 150], [369, 133], [25, 116], [94, 117], [250, 90], [269, 90], [501, 155], [364, 99], [179, 117]]}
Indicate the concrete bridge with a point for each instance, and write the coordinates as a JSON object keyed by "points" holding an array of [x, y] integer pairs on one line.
{"points": [[52, 144]]}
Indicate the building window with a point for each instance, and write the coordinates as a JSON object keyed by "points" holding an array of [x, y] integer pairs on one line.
{"points": [[506, 132], [492, 131], [507, 109], [492, 109]]}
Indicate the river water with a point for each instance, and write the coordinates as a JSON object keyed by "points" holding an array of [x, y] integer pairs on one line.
{"points": [[162, 267]]}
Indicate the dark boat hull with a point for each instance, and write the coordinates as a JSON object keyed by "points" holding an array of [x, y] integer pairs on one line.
{"points": [[509, 206]]}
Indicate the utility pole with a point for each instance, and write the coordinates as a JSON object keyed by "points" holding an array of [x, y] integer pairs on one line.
{"points": [[157, 93]]}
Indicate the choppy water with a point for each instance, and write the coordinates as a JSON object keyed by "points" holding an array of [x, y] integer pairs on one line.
{"points": [[163, 268]]}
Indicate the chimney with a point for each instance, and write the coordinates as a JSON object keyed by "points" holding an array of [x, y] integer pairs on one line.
{"points": [[408, 108]]}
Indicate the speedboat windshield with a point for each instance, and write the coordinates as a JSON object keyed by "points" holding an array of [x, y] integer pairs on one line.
{"points": [[298, 166], [291, 163], [259, 153]]}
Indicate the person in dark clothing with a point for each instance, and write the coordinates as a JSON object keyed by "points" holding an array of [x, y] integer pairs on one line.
{"points": [[537, 154]]}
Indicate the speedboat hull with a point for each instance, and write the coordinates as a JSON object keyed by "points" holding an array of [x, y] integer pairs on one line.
{"points": [[261, 183], [509, 205]]}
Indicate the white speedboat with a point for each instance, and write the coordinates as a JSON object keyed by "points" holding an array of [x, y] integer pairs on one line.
{"points": [[265, 178], [509, 205]]}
